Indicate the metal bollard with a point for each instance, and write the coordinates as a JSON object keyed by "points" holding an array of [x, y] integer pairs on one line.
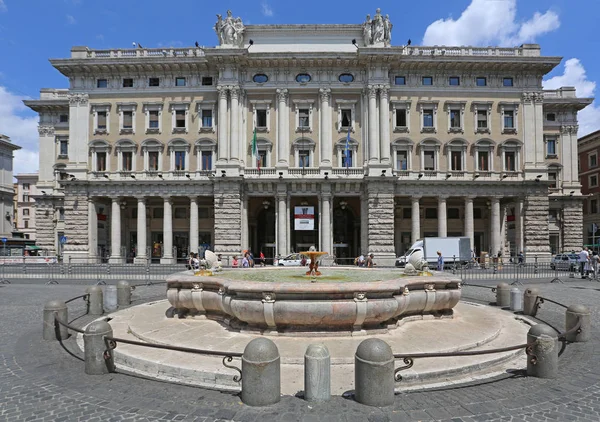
{"points": [[123, 293], [503, 295], [374, 373], [59, 308], [317, 373], [110, 298], [530, 304], [95, 300], [97, 360], [261, 373], [516, 300], [542, 361], [574, 314]]}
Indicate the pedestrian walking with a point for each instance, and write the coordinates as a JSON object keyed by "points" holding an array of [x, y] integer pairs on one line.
{"points": [[584, 257], [440, 261], [594, 260]]}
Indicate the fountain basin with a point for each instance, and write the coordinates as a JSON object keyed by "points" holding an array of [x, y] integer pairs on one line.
{"points": [[301, 306]]}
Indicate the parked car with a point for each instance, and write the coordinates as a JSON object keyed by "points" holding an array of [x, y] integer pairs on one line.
{"points": [[292, 260], [564, 261]]}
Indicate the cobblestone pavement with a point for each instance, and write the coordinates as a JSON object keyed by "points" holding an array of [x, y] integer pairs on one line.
{"points": [[40, 381]]}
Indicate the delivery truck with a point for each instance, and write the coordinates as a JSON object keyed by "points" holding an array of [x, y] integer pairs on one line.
{"points": [[450, 247]]}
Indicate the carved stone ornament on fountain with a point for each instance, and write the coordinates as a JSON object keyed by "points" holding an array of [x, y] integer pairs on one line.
{"points": [[230, 31], [377, 32]]}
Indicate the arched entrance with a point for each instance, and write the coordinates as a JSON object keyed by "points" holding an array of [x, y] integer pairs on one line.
{"points": [[262, 227], [346, 233]]}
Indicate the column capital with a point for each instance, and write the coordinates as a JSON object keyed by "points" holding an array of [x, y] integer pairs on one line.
{"points": [[325, 94], [416, 197], [470, 197], [384, 90], [193, 199], [234, 91], [222, 90], [141, 198], [282, 95], [372, 91], [443, 197], [46, 130], [168, 199]]}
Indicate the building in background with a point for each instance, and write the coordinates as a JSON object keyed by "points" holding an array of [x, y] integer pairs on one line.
{"points": [[287, 136], [26, 190], [589, 177], [7, 193]]}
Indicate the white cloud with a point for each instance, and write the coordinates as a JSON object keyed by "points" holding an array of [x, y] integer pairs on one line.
{"points": [[21, 129], [490, 22], [574, 75], [266, 9], [71, 20], [3, 7]]}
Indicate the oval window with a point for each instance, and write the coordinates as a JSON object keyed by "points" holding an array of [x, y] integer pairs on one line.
{"points": [[260, 78], [346, 78], [303, 78]]}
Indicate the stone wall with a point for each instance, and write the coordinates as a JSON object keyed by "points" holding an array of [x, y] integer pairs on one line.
{"points": [[76, 222], [44, 228], [228, 220], [573, 225], [535, 230], [380, 198]]}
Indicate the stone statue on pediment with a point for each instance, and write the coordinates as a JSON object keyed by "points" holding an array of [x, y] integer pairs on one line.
{"points": [[377, 32], [230, 30]]}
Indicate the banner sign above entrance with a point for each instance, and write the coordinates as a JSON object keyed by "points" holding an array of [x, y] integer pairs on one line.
{"points": [[304, 218]]}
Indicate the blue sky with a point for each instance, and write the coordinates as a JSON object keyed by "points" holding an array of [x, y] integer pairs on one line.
{"points": [[32, 31]]}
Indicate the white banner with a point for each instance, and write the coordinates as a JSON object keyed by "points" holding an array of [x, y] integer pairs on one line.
{"points": [[304, 218]]}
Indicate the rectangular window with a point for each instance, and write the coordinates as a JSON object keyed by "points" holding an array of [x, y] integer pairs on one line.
{"points": [[552, 178], [456, 160], [427, 118], [101, 161], [25, 197], [551, 147], [127, 119], [431, 213], [303, 120], [401, 118], [153, 160], [64, 118], [509, 119], [402, 160], [102, 83], [593, 181], [26, 212], [304, 158], [179, 160], [455, 119], [593, 206], [346, 159], [127, 157], [180, 118], [454, 81], [483, 161], [482, 121], [428, 160], [102, 120], [207, 80], [400, 80], [26, 224], [206, 160], [551, 117], [262, 158], [180, 212], [346, 117], [593, 160], [510, 161], [127, 83], [507, 82], [25, 186], [179, 81], [157, 213], [453, 213], [427, 80], [154, 82], [207, 118], [481, 81], [64, 148], [153, 119], [261, 118]]}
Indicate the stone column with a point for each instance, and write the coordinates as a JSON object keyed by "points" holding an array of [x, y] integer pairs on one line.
{"points": [[283, 151], [373, 138], [326, 244], [415, 219], [364, 224], [92, 230], [495, 227], [167, 257], [572, 224], [502, 239], [442, 217], [244, 227], [222, 125], [469, 226], [281, 224], [381, 222], [194, 224], [115, 232], [537, 238], [519, 225], [325, 127], [234, 148], [141, 256], [228, 236], [384, 124]]}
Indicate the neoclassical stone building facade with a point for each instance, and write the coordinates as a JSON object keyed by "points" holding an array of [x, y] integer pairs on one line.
{"points": [[150, 153]]}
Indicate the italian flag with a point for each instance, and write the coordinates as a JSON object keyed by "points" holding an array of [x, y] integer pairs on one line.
{"points": [[255, 150]]}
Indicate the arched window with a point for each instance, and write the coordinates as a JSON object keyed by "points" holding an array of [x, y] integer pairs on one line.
{"points": [[304, 150], [511, 151], [205, 154], [347, 152], [402, 154], [430, 154], [483, 151], [264, 147], [179, 155], [456, 151], [152, 151], [554, 179], [100, 152], [126, 155]]}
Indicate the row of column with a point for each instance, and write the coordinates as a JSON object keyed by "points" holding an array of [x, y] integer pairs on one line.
{"points": [[379, 129], [228, 135]]}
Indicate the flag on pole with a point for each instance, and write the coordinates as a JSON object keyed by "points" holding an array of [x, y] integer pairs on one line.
{"points": [[255, 150], [348, 148]]}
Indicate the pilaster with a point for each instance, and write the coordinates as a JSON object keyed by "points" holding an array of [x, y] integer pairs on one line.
{"points": [[76, 223], [228, 222], [380, 196], [572, 224], [537, 239]]}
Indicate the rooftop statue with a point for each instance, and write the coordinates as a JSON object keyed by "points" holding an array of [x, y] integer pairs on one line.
{"points": [[377, 31], [230, 30]]}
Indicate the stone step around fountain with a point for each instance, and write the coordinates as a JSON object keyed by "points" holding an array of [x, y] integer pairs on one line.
{"points": [[473, 327]]}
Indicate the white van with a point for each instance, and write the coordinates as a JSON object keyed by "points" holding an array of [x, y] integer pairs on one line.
{"points": [[452, 248]]}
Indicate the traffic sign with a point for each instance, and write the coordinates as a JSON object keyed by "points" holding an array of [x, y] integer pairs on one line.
{"points": [[63, 239], [4, 239]]}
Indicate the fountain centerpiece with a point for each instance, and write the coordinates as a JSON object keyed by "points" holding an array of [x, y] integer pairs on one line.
{"points": [[313, 266]]}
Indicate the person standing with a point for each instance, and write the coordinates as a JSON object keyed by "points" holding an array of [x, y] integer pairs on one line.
{"points": [[370, 263], [594, 264], [584, 256], [440, 261]]}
